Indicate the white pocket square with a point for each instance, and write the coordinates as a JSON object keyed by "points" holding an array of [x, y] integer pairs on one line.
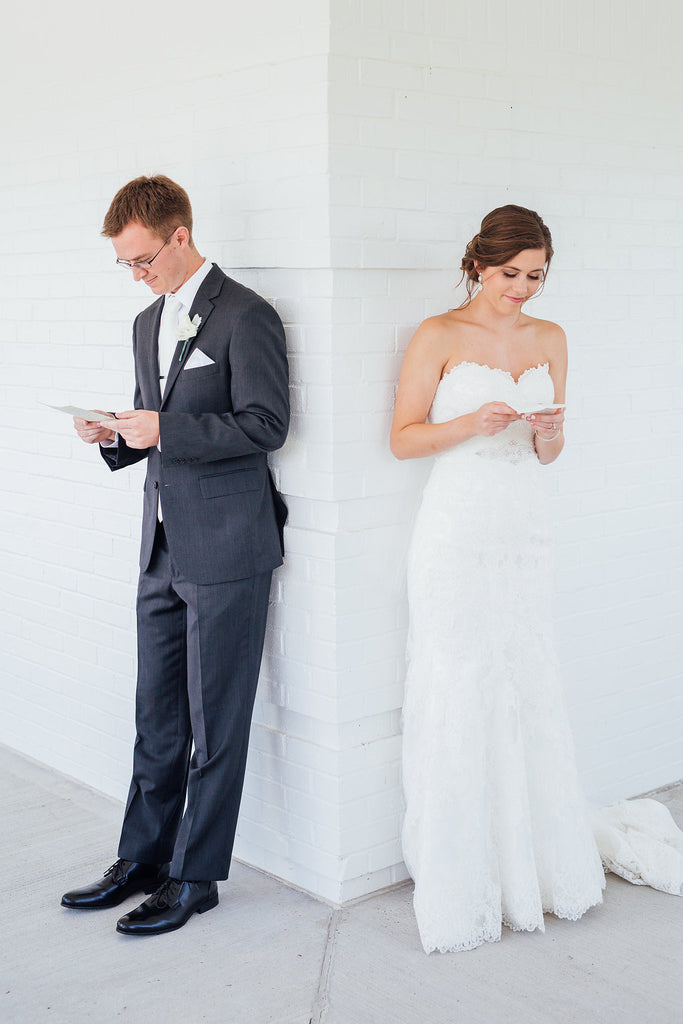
{"points": [[198, 358]]}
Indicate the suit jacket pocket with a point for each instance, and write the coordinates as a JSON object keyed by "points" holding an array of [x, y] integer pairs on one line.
{"points": [[197, 372], [235, 482]]}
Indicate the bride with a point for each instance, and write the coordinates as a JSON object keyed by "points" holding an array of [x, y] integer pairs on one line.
{"points": [[497, 830]]}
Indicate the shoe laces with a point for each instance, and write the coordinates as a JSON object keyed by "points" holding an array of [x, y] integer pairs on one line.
{"points": [[167, 893], [119, 870]]}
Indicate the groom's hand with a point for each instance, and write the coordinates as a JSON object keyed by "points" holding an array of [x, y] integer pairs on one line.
{"points": [[92, 431], [139, 427]]}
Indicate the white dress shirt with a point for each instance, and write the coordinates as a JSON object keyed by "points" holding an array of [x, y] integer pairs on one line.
{"points": [[185, 295]]}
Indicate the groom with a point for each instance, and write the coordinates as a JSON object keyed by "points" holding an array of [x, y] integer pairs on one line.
{"points": [[211, 400]]}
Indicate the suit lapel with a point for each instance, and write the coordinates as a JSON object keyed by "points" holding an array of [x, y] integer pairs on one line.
{"points": [[203, 305]]}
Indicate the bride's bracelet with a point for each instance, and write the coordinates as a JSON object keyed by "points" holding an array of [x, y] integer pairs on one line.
{"points": [[556, 434]]}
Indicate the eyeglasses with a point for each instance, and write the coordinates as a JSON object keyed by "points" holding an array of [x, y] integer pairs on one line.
{"points": [[144, 264]]}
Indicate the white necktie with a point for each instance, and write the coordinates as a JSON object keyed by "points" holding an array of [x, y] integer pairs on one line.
{"points": [[168, 336]]}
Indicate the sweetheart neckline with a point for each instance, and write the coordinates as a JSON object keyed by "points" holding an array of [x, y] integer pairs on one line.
{"points": [[497, 369]]}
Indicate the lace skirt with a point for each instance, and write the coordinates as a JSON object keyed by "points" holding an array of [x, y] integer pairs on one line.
{"points": [[496, 828]]}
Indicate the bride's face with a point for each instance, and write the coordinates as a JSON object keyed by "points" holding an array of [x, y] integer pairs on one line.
{"points": [[509, 286]]}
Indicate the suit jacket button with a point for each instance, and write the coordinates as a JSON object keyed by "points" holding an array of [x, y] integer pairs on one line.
{"points": [[156, 485]]}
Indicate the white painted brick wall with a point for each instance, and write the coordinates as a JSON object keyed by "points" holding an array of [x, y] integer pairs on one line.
{"points": [[250, 145], [338, 156], [438, 112]]}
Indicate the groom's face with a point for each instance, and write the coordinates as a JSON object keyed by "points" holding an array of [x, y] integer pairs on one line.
{"points": [[137, 243]]}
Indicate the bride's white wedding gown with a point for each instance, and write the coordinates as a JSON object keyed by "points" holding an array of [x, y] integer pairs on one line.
{"points": [[496, 828]]}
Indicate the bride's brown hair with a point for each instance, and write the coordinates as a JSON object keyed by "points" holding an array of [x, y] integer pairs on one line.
{"points": [[504, 232]]}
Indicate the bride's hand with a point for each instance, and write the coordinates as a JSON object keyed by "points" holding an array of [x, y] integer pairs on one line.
{"points": [[493, 417], [548, 425]]}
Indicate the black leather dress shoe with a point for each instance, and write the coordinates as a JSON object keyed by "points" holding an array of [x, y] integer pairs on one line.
{"points": [[170, 907], [121, 880]]}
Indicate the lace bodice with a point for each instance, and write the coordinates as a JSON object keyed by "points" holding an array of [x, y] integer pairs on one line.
{"points": [[468, 386]]}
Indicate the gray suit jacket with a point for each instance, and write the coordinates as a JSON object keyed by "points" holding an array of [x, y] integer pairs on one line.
{"points": [[222, 514]]}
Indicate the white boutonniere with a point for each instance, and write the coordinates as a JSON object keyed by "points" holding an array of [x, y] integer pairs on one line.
{"points": [[187, 330]]}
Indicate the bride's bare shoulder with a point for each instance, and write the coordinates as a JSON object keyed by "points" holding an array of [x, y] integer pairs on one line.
{"points": [[550, 343], [548, 333], [440, 330], [435, 340], [555, 343]]}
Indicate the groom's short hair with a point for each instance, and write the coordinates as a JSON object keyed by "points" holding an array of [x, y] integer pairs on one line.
{"points": [[157, 203]]}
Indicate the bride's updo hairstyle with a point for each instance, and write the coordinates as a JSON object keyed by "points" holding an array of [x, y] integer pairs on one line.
{"points": [[504, 233]]}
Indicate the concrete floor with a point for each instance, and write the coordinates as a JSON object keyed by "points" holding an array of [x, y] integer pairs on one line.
{"points": [[269, 954]]}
